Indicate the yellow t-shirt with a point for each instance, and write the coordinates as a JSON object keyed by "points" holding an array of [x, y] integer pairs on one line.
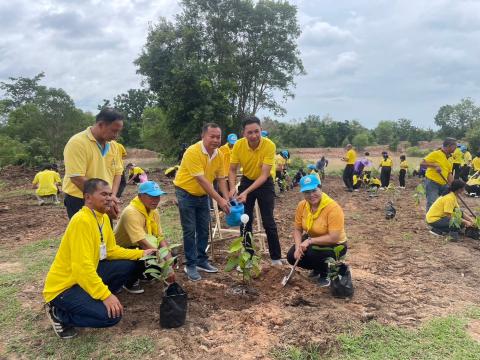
{"points": [[121, 150], [280, 162], [136, 171], [83, 158], [476, 164], [467, 157], [196, 162], [331, 218], [375, 181], [404, 165], [226, 151], [252, 160], [442, 207], [386, 162], [473, 181], [457, 156], [46, 180], [355, 180], [132, 227], [351, 156], [440, 158], [78, 255]]}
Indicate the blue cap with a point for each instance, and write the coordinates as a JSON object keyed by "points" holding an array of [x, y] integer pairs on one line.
{"points": [[284, 153], [150, 188], [264, 133], [311, 167], [463, 148], [309, 182], [232, 139]]}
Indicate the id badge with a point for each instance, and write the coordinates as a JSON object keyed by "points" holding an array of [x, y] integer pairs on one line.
{"points": [[103, 251]]}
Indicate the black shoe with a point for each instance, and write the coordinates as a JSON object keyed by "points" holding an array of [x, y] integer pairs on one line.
{"points": [[62, 331], [323, 281], [313, 274], [135, 288], [454, 236], [436, 232]]}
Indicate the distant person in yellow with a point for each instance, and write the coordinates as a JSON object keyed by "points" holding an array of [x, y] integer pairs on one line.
{"points": [[256, 154], [476, 163], [48, 184], [467, 162], [139, 223], [92, 154], [403, 171], [385, 170], [201, 164], [441, 211], [135, 174], [89, 268], [439, 170], [350, 158], [123, 179], [457, 161], [473, 185]]}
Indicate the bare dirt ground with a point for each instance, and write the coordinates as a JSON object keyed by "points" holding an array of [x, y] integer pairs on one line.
{"points": [[402, 275]]}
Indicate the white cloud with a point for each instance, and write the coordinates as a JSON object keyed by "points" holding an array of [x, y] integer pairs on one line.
{"points": [[321, 33]]}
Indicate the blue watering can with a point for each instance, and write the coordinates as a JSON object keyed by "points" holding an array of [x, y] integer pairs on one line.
{"points": [[236, 211]]}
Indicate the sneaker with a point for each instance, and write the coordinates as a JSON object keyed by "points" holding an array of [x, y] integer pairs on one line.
{"points": [[323, 281], [192, 273], [436, 232], [207, 267], [313, 274], [135, 288], [62, 331], [454, 236], [277, 262]]}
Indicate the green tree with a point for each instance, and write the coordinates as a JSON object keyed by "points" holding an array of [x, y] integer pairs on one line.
{"points": [[12, 151], [473, 139], [361, 140], [221, 60], [155, 135], [456, 120], [385, 132]]}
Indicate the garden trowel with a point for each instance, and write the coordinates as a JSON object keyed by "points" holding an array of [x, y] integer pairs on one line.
{"points": [[290, 274]]}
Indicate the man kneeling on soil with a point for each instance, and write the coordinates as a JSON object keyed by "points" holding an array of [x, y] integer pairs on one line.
{"points": [[139, 223], [88, 267]]}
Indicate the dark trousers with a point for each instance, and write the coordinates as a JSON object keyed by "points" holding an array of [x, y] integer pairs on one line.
{"points": [[314, 258], [456, 171], [265, 195], [464, 172], [73, 204], [75, 307], [401, 177], [123, 184], [473, 189], [385, 175], [348, 176], [443, 225]]}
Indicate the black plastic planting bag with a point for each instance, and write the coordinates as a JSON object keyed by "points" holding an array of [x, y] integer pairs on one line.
{"points": [[173, 309], [342, 286]]}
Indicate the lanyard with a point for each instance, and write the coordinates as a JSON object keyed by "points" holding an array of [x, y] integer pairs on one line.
{"points": [[99, 227]]}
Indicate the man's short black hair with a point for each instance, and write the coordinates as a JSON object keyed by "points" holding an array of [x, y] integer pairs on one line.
{"points": [[91, 185], [250, 120], [208, 126], [449, 141], [109, 115], [456, 185]]}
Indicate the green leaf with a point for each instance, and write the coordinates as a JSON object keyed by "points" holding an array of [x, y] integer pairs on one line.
{"points": [[235, 245], [152, 239], [152, 262], [231, 264], [163, 252], [148, 257], [152, 271]]}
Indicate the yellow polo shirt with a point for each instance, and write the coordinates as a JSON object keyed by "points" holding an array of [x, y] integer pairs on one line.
{"points": [[331, 218], [196, 162], [78, 256], [467, 157], [83, 158], [226, 151], [476, 163], [457, 156], [404, 165], [442, 207], [136, 171], [280, 162], [440, 158], [132, 227], [46, 180], [121, 150], [375, 181], [386, 162], [351, 156], [473, 181], [252, 160]]}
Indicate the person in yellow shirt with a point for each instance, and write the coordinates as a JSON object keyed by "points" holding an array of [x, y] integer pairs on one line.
{"points": [[457, 161], [403, 171], [349, 158], [123, 179], [134, 173], [385, 170], [89, 268], [374, 182], [201, 164], [357, 182], [473, 185], [48, 184], [226, 150], [92, 154], [281, 163], [319, 226], [256, 154], [476, 163], [467, 162], [139, 227], [441, 211], [439, 170]]}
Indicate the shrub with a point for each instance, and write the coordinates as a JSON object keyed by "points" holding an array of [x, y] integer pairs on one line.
{"points": [[415, 151], [12, 151]]}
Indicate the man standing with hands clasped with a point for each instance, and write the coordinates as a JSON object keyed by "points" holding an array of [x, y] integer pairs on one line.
{"points": [[256, 155], [201, 164]]}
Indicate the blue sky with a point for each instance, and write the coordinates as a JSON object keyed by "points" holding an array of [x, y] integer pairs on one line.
{"points": [[366, 60]]}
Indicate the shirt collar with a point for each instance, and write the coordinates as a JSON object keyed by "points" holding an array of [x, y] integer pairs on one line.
{"points": [[103, 150], [258, 147], [204, 150]]}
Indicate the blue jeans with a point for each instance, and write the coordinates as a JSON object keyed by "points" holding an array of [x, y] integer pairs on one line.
{"points": [[433, 191], [75, 307], [194, 217]]}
